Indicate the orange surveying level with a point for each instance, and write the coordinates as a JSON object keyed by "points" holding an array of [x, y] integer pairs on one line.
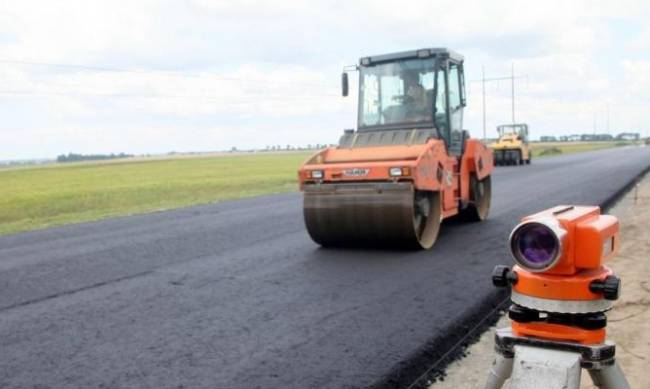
{"points": [[559, 254], [560, 292]]}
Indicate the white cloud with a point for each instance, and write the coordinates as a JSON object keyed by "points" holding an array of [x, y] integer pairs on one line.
{"points": [[580, 57]]}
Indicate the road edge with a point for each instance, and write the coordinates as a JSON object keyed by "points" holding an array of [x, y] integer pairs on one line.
{"points": [[428, 363]]}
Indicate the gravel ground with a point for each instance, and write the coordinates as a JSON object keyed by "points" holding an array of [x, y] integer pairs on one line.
{"points": [[628, 322]]}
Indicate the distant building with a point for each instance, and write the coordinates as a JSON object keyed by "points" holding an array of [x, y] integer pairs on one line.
{"points": [[547, 138], [574, 138], [588, 137], [628, 136], [604, 137]]}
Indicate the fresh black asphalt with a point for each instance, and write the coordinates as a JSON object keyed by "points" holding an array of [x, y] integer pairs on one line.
{"points": [[236, 295]]}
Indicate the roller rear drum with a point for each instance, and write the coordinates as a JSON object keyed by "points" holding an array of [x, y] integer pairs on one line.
{"points": [[372, 215]]}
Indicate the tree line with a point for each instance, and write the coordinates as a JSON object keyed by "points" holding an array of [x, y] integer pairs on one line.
{"points": [[72, 157]]}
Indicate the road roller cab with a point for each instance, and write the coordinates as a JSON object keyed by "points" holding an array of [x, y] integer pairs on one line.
{"points": [[409, 164]]}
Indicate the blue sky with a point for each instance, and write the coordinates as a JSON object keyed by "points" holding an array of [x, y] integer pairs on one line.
{"points": [[201, 75]]}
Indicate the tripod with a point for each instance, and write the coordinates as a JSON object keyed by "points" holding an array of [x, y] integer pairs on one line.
{"points": [[531, 362]]}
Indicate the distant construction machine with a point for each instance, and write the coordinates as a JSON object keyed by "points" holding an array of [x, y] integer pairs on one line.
{"points": [[512, 147], [409, 164]]}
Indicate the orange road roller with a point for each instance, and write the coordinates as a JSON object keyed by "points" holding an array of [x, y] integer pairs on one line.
{"points": [[409, 164]]}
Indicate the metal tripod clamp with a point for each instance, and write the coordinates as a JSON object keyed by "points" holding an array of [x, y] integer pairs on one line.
{"points": [[529, 362], [592, 356]]}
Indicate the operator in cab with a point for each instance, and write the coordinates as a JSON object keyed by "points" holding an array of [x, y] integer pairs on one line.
{"points": [[417, 103]]}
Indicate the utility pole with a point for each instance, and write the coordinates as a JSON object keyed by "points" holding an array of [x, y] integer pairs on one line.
{"points": [[512, 78], [484, 114], [483, 80]]}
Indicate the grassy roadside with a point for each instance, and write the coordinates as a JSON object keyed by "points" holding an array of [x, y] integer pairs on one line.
{"points": [[51, 195], [32, 198], [558, 148]]}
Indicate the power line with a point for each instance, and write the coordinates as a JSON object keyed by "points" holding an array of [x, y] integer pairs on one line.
{"points": [[157, 71], [75, 66], [512, 79], [266, 98]]}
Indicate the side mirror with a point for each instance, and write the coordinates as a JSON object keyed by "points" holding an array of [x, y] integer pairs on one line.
{"points": [[344, 84]]}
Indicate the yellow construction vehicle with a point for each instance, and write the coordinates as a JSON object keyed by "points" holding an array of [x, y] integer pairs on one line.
{"points": [[512, 148]]}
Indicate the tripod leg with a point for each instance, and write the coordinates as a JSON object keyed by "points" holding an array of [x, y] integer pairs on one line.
{"points": [[499, 372], [610, 377]]}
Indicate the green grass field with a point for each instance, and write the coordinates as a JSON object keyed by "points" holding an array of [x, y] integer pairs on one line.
{"points": [[37, 197], [558, 148], [32, 198]]}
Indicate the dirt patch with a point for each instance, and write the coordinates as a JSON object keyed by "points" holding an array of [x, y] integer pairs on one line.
{"points": [[629, 321]]}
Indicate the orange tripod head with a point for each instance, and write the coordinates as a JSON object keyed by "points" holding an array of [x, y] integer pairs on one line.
{"points": [[560, 287]]}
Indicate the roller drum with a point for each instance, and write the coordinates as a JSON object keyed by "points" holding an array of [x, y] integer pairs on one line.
{"points": [[371, 214]]}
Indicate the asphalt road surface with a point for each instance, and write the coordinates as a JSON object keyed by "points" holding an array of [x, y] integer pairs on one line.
{"points": [[236, 295]]}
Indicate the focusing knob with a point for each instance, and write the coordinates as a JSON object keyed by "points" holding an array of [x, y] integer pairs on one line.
{"points": [[502, 276], [610, 287]]}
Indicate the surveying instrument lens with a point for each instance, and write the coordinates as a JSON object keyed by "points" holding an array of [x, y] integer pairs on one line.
{"points": [[536, 245]]}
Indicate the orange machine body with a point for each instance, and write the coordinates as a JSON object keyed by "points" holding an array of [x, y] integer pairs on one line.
{"points": [[427, 166], [557, 287], [590, 240], [563, 288], [559, 332]]}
